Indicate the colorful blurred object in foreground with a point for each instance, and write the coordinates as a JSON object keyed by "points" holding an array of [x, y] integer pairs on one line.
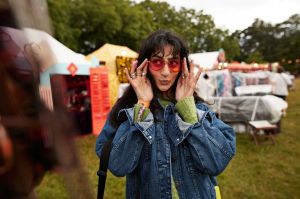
{"points": [[33, 139]]}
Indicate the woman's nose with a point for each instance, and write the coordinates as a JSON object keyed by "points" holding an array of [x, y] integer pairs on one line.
{"points": [[165, 70]]}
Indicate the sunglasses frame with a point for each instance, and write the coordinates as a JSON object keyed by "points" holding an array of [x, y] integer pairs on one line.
{"points": [[157, 68]]}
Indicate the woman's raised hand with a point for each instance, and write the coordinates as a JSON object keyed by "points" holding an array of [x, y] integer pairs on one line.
{"points": [[138, 80], [187, 82]]}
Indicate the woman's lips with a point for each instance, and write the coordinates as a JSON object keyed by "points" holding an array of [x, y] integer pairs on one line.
{"points": [[164, 82]]}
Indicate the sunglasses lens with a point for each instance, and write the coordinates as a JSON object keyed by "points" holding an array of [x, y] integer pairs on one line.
{"points": [[174, 65], [156, 64]]}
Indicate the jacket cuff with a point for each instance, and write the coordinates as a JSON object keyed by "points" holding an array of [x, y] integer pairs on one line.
{"points": [[146, 126], [187, 109], [184, 128]]}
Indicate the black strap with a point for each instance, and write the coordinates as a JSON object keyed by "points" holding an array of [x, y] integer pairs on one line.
{"points": [[102, 172]]}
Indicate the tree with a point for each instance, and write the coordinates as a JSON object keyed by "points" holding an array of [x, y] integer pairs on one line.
{"points": [[197, 28], [289, 32], [60, 13], [258, 39], [272, 43], [99, 22], [289, 45], [231, 46], [86, 25], [136, 24]]}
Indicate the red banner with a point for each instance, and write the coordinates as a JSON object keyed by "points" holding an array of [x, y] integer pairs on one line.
{"points": [[99, 97]]}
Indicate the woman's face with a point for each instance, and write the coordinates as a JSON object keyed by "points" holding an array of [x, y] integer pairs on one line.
{"points": [[164, 68]]}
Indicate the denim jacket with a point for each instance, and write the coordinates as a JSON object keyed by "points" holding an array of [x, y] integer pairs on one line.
{"points": [[163, 146]]}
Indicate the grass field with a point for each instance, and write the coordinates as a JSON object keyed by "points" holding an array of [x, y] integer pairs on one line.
{"points": [[264, 172]]}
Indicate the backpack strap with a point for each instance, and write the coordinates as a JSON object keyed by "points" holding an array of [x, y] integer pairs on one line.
{"points": [[103, 164]]}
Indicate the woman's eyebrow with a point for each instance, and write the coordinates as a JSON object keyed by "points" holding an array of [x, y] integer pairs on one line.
{"points": [[160, 55], [157, 56]]}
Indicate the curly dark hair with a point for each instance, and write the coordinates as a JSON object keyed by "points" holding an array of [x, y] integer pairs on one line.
{"points": [[153, 44]]}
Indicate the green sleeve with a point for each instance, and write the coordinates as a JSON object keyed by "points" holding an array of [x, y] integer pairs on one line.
{"points": [[187, 109], [137, 107]]}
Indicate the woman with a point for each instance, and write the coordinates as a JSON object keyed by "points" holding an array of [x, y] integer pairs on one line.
{"points": [[162, 132]]}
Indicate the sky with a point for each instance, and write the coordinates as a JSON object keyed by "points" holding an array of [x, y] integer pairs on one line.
{"points": [[240, 14]]}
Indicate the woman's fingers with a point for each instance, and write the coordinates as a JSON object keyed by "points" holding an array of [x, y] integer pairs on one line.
{"points": [[140, 69], [144, 71], [127, 75], [138, 74], [185, 70], [133, 66], [137, 71]]}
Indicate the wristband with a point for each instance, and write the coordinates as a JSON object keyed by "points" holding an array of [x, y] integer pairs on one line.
{"points": [[140, 113], [144, 103]]}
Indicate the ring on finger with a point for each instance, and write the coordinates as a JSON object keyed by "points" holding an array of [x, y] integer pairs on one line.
{"points": [[133, 75], [143, 74]]}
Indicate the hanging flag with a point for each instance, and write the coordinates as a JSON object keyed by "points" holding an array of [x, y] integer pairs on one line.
{"points": [[72, 68]]}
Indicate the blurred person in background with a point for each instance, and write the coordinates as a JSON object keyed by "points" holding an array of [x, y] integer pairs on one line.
{"points": [[161, 131], [280, 84]]}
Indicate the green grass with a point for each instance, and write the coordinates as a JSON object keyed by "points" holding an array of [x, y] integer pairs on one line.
{"points": [[267, 171]]}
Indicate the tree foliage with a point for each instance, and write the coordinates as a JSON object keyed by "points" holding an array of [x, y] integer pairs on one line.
{"points": [[264, 42], [86, 25], [258, 39]]}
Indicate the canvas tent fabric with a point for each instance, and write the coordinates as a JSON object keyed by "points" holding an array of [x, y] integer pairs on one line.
{"points": [[204, 87], [108, 54], [263, 89], [249, 108], [49, 55], [55, 52], [205, 60], [53, 56]]}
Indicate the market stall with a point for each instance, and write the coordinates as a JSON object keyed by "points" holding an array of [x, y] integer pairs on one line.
{"points": [[65, 77], [116, 58], [240, 97], [243, 109], [244, 67]]}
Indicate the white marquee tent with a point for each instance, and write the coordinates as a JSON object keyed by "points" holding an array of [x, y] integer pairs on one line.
{"points": [[205, 60], [51, 56]]}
